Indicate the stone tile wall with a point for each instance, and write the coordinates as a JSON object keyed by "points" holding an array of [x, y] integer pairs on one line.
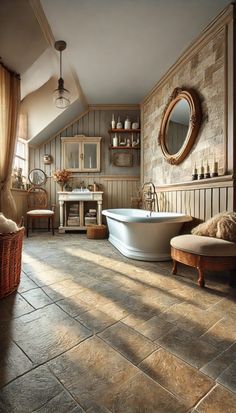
{"points": [[204, 71]]}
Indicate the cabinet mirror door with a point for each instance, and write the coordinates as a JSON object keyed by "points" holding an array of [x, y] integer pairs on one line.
{"points": [[91, 156], [71, 155]]}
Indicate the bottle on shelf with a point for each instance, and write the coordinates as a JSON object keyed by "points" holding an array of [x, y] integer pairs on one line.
{"points": [[119, 124], [127, 123], [115, 140], [113, 122]]}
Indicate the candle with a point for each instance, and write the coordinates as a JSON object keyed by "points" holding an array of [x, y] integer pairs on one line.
{"points": [[207, 168], [194, 169], [215, 167], [202, 169]]}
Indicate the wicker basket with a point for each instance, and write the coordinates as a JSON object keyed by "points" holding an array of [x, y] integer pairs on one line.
{"points": [[96, 231], [10, 261]]}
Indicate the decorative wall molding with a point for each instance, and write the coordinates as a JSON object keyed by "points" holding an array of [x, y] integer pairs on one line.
{"points": [[114, 107], [200, 202], [43, 22], [217, 182]]}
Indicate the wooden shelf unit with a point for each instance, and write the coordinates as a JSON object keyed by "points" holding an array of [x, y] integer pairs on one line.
{"points": [[124, 130], [124, 147]]}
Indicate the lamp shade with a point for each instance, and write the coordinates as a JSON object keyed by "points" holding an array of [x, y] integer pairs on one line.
{"points": [[61, 95]]}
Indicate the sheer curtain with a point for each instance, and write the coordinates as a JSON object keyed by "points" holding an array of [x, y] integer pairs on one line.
{"points": [[9, 109]]}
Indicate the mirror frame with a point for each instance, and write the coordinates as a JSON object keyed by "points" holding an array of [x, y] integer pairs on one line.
{"points": [[193, 129], [44, 177]]}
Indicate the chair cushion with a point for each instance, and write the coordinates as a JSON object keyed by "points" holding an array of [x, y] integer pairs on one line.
{"points": [[207, 246], [40, 212]]}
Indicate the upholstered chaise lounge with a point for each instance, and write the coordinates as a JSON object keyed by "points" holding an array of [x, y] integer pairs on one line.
{"points": [[203, 253]]}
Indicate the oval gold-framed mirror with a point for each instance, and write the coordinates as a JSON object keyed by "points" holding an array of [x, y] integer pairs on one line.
{"points": [[180, 125], [37, 177]]}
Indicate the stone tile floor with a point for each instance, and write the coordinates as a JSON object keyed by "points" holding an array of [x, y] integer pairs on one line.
{"points": [[92, 331]]}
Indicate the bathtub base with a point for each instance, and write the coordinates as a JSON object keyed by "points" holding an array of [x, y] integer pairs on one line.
{"points": [[139, 235], [136, 254]]}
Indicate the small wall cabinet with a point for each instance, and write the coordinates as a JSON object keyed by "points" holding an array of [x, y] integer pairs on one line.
{"points": [[81, 153]]}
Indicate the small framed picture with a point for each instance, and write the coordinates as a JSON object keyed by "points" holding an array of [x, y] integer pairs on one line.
{"points": [[122, 159]]}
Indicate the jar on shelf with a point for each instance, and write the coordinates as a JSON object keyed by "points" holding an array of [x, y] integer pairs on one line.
{"points": [[127, 123], [135, 125]]}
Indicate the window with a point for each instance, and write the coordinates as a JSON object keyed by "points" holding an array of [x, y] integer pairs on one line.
{"points": [[21, 156], [20, 161]]}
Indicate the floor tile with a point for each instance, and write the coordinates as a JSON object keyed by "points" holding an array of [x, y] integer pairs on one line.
{"points": [[217, 366], [13, 362], [63, 289], [96, 320], [98, 409], [184, 345], [228, 377], [43, 277], [166, 324], [217, 401], [37, 298], [153, 328], [47, 332], [192, 318], [92, 372], [61, 403], [26, 283], [175, 375], [222, 335], [73, 305], [142, 394], [14, 306], [134, 320], [29, 392], [128, 342], [116, 310], [226, 307], [201, 298]]}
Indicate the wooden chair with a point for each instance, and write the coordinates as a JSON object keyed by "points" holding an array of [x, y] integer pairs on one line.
{"points": [[203, 253], [37, 200]]}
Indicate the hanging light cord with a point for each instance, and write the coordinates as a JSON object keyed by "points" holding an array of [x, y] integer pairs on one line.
{"points": [[60, 63]]}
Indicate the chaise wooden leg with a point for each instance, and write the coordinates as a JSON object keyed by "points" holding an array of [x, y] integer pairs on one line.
{"points": [[48, 224], [174, 269], [201, 280]]}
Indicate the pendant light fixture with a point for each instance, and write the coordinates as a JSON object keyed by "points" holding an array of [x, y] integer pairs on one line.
{"points": [[61, 95]]}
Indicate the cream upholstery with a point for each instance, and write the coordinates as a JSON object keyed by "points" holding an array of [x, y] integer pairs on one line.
{"points": [[37, 200], [206, 246], [40, 212]]}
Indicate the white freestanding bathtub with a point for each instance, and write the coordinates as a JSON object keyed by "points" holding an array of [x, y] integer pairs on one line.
{"points": [[140, 236]]}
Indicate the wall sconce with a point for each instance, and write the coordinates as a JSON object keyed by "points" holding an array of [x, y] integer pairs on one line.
{"points": [[47, 159]]}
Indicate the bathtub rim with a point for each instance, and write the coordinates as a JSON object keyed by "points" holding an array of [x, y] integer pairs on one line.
{"points": [[169, 217]]}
